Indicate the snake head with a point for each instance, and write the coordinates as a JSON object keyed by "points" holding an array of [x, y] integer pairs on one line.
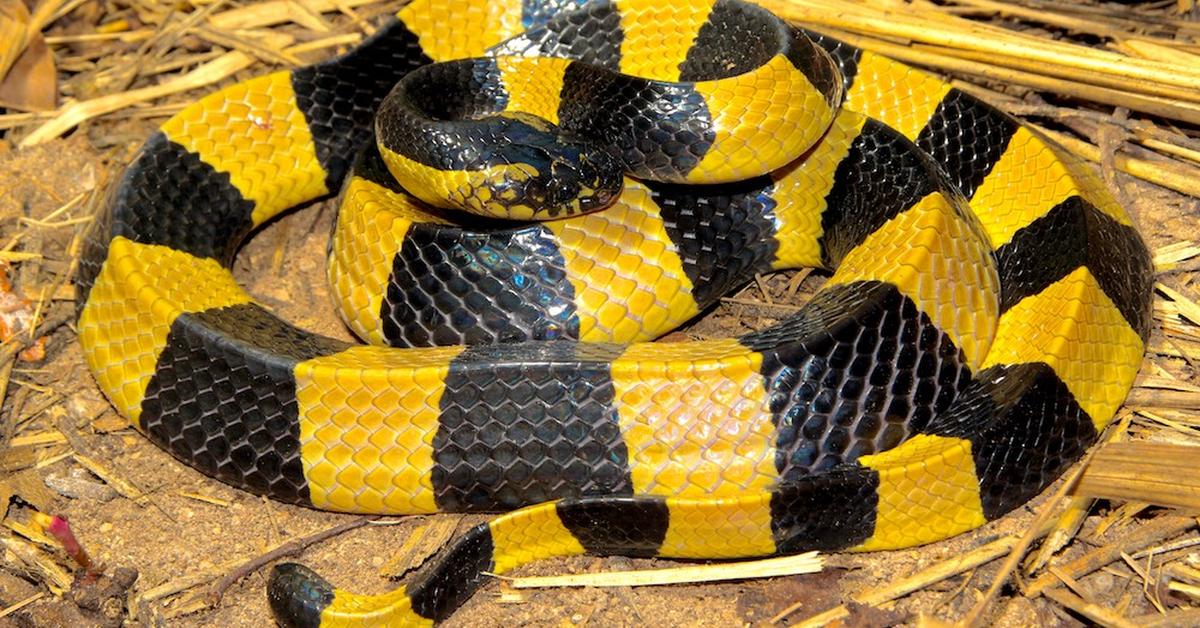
{"points": [[297, 595], [538, 172], [511, 166], [550, 180]]}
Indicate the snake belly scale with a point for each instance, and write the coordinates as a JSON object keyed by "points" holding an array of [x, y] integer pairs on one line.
{"points": [[986, 314]]}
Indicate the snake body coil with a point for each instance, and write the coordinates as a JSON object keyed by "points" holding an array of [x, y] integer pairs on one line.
{"points": [[985, 318]]}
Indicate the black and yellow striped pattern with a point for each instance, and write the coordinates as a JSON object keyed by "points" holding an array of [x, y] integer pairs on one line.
{"points": [[973, 340], [548, 136]]}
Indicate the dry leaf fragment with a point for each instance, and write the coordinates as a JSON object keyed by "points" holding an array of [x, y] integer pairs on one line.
{"points": [[32, 83], [14, 29]]}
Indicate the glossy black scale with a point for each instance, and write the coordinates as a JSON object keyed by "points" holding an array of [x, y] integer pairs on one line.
{"points": [[528, 423], [1025, 429], [297, 595], [223, 397], [167, 196], [1071, 235], [449, 286], [882, 175], [602, 525], [845, 57], [339, 98], [857, 372], [724, 233], [966, 137], [573, 29], [830, 511]]}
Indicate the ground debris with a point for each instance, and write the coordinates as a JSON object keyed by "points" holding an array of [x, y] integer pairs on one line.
{"points": [[104, 599], [125, 66]]}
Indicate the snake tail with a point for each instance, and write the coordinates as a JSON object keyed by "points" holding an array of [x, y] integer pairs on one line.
{"points": [[837, 510]]}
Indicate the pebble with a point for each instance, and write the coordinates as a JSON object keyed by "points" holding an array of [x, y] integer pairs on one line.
{"points": [[84, 409], [79, 488], [1102, 583]]}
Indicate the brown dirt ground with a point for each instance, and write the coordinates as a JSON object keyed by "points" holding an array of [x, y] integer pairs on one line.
{"points": [[168, 534]]}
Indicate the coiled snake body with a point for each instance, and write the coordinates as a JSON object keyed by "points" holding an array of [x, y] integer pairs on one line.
{"points": [[985, 317]]}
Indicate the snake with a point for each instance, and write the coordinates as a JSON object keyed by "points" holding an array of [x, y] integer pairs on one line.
{"points": [[530, 193]]}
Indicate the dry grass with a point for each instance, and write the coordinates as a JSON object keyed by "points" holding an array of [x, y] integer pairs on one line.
{"points": [[1118, 84]]}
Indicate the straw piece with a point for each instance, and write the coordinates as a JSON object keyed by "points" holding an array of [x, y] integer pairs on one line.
{"points": [[1081, 83], [77, 112], [39, 439], [1077, 24], [1148, 49], [1158, 473], [1164, 527], [1096, 613], [1171, 175], [57, 579], [268, 51], [965, 35], [1188, 308], [274, 12], [22, 604], [938, 59], [769, 568], [1166, 257], [915, 582], [1171, 619]]}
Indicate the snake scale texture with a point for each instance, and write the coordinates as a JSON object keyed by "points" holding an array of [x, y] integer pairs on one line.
{"points": [[985, 317]]}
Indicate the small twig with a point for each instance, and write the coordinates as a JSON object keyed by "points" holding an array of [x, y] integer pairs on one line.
{"points": [[1098, 614], [186, 582], [22, 604], [774, 306], [1040, 525], [899, 588], [291, 548], [1162, 528]]}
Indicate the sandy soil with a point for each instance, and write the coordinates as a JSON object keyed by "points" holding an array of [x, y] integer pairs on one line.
{"points": [[188, 523]]}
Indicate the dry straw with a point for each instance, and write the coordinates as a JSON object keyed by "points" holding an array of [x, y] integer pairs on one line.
{"points": [[1130, 104]]}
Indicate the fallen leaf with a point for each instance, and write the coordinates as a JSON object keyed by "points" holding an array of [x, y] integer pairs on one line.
{"points": [[14, 29], [32, 83], [28, 486]]}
